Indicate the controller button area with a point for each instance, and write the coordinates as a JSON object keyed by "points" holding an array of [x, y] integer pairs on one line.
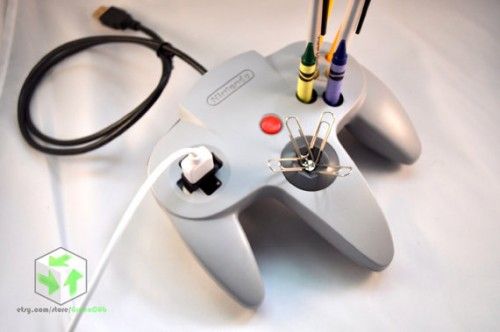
{"points": [[271, 124], [208, 184]]}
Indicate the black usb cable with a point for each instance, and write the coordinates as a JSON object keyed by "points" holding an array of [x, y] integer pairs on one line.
{"points": [[117, 19]]}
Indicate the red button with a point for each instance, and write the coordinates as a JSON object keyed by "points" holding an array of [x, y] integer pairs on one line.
{"points": [[271, 124]]}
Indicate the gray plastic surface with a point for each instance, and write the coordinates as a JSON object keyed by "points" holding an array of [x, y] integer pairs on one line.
{"points": [[223, 112], [382, 125], [222, 247]]}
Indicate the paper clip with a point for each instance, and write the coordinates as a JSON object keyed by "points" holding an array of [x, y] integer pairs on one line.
{"points": [[302, 158], [324, 139], [276, 166], [339, 171]]}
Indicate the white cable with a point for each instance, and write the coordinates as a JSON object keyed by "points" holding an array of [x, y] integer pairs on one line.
{"points": [[123, 224]]}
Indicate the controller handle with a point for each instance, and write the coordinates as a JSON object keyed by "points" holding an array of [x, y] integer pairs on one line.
{"points": [[347, 215], [382, 124], [222, 247]]}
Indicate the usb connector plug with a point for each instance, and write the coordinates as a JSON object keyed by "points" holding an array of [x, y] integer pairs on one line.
{"points": [[115, 18]]}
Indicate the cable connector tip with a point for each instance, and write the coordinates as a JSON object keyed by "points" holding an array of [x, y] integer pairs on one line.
{"points": [[99, 12], [115, 18]]}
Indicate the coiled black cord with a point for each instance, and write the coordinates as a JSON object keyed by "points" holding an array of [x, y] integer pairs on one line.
{"points": [[117, 19]]}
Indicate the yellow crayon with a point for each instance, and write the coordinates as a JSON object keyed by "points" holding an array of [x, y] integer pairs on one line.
{"points": [[307, 75]]}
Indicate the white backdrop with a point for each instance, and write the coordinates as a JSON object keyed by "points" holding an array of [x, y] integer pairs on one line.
{"points": [[441, 58]]}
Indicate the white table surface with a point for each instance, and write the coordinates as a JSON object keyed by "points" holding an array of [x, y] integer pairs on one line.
{"points": [[441, 58]]}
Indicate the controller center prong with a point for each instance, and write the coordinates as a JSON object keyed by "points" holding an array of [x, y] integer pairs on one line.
{"points": [[309, 165]]}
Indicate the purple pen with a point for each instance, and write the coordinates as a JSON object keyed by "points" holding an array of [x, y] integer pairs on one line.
{"points": [[337, 69]]}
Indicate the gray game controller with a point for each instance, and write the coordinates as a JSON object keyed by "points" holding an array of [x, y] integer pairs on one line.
{"points": [[224, 110]]}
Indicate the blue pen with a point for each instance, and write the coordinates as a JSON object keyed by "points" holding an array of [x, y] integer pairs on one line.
{"points": [[337, 70]]}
